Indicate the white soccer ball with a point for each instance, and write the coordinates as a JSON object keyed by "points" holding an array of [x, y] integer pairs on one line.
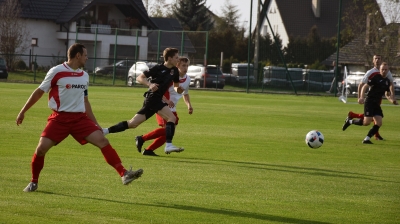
{"points": [[314, 139]]}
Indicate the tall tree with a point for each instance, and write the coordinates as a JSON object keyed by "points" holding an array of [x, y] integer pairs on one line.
{"points": [[193, 14], [158, 8], [374, 29], [13, 31], [230, 17]]}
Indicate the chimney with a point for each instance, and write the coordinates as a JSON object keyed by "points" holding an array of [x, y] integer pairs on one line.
{"points": [[316, 7], [368, 30]]}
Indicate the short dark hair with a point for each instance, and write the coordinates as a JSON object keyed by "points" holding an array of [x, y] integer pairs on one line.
{"points": [[184, 59], [169, 53], [75, 49]]}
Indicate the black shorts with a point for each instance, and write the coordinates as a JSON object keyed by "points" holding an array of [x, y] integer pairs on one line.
{"points": [[372, 108], [151, 106]]}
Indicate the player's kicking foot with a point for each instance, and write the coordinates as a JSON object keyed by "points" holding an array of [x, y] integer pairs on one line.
{"points": [[346, 123], [149, 153], [367, 142], [172, 148], [139, 143], [131, 175], [31, 187], [378, 137]]}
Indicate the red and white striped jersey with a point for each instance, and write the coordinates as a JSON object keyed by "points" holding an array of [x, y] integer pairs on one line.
{"points": [[373, 71], [172, 95], [66, 87]]}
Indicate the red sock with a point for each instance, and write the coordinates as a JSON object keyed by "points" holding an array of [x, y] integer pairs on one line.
{"points": [[352, 115], [154, 134], [113, 159], [36, 166], [158, 142]]}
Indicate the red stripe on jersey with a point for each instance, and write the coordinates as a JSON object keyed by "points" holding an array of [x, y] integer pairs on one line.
{"points": [[183, 80], [166, 94], [54, 87], [373, 74]]}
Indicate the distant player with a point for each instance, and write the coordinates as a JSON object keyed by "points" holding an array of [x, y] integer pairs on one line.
{"points": [[171, 97], [376, 60], [379, 85]]}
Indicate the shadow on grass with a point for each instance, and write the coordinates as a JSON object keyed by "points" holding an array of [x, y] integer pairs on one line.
{"points": [[284, 168], [227, 212]]}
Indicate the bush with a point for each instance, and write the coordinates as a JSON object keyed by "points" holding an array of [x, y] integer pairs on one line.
{"points": [[20, 65]]}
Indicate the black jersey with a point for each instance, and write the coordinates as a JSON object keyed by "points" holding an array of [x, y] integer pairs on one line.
{"points": [[379, 86], [162, 76]]}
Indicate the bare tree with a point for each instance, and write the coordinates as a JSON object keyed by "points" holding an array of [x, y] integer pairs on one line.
{"points": [[13, 31], [374, 30], [159, 8]]}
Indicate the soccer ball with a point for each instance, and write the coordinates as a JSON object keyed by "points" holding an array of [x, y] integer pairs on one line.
{"points": [[314, 139]]}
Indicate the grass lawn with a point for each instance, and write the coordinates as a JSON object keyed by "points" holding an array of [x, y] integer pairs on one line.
{"points": [[245, 161]]}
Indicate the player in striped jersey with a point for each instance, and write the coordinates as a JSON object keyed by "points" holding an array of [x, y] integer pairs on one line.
{"points": [[67, 85]]}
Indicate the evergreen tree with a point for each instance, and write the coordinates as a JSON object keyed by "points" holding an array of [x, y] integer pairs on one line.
{"points": [[230, 17], [193, 15]]}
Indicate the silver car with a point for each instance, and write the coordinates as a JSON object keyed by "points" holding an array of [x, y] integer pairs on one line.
{"points": [[136, 69]]}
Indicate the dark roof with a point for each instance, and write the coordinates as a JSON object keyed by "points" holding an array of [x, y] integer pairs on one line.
{"points": [[64, 11], [169, 39], [43, 9], [358, 53], [298, 17]]}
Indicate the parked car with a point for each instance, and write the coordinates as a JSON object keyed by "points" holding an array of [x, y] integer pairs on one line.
{"points": [[353, 80], [137, 69], [211, 76], [121, 67], [396, 83], [239, 71], [3, 69]]}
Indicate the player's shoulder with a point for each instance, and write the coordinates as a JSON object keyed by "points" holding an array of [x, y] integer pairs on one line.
{"points": [[371, 71], [58, 68]]}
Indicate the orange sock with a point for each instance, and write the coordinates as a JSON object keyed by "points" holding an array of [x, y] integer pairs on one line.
{"points": [[158, 142], [156, 133]]}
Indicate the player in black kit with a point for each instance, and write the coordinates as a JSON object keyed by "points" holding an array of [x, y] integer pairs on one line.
{"points": [[379, 85], [161, 77]]}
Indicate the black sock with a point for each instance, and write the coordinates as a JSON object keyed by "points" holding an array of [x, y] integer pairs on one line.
{"points": [[121, 126], [373, 130], [169, 131], [358, 122]]}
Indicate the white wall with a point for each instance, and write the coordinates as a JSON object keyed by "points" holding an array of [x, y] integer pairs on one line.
{"points": [[277, 25], [48, 45]]}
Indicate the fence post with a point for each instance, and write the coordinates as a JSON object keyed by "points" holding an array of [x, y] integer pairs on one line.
{"points": [[158, 47], [182, 42], [76, 35], [95, 54], [34, 69], [115, 54]]}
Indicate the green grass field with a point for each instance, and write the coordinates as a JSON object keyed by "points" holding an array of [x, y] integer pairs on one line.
{"points": [[245, 161]]}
